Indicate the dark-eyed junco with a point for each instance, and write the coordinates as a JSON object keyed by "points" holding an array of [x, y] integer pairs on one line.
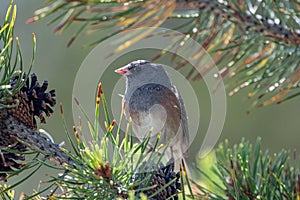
{"points": [[154, 104]]}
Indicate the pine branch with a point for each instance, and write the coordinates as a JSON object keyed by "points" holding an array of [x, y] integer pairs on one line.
{"points": [[19, 103], [35, 140], [98, 15], [253, 43], [18, 126]]}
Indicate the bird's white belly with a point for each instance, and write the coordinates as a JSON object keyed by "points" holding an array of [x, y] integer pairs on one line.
{"points": [[151, 122]]}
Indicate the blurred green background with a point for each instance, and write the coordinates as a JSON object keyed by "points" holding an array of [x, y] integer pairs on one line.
{"points": [[277, 125]]}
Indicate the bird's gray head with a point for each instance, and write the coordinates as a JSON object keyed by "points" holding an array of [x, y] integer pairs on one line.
{"points": [[141, 72]]}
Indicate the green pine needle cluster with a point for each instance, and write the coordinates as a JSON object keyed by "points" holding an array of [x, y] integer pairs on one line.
{"points": [[244, 171], [11, 61]]}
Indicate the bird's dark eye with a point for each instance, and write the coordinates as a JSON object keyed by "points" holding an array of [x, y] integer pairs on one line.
{"points": [[133, 66]]}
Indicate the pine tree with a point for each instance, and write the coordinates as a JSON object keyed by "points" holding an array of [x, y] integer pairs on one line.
{"points": [[253, 43]]}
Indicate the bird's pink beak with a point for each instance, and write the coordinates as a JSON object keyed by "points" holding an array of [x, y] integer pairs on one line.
{"points": [[123, 71]]}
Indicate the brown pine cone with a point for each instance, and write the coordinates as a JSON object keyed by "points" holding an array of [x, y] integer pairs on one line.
{"points": [[33, 101], [160, 178]]}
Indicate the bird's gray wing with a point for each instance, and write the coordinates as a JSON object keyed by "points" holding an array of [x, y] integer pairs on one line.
{"points": [[185, 140]]}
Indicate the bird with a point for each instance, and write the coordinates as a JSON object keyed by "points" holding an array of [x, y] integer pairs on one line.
{"points": [[155, 106]]}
